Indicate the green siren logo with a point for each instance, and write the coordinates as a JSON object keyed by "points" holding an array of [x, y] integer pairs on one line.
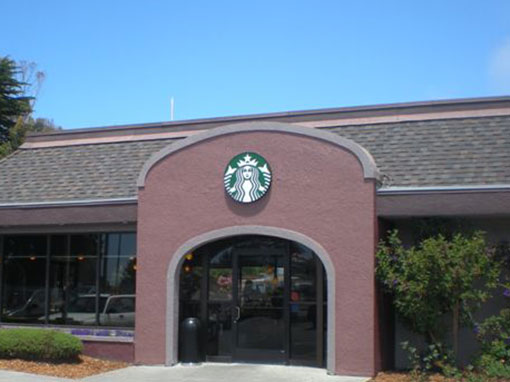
{"points": [[247, 177]]}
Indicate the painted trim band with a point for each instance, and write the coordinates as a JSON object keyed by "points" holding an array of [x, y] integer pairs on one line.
{"points": [[370, 170]]}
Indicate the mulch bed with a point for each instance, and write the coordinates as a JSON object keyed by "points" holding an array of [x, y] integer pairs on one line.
{"points": [[404, 377], [82, 368]]}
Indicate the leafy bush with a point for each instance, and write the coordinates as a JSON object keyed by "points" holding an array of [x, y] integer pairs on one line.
{"points": [[494, 336], [39, 344], [493, 367], [437, 277], [435, 358]]}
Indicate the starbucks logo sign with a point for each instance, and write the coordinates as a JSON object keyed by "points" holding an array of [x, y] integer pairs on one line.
{"points": [[247, 177]]}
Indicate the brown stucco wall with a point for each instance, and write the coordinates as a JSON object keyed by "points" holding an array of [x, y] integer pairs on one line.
{"points": [[318, 190], [116, 351]]}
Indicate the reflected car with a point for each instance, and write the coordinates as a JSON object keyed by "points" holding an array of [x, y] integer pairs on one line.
{"points": [[33, 308], [115, 310]]}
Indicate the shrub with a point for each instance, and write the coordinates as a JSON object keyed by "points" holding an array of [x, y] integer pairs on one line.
{"points": [[494, 335], [433, 359], [39, 344], [437, 277]]}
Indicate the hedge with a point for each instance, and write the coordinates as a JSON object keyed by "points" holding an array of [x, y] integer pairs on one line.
{"points": [[39, 344]]}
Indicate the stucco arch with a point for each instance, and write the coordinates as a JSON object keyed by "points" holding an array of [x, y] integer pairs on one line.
{"points": [[173, 272], [323, 197], [368, 165]]}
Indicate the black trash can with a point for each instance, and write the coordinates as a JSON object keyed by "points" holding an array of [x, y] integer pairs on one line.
{"points": [[189, 349]]}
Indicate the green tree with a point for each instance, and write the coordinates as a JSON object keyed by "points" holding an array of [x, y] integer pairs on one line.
{"points": [[435, 278], [13, 100], [19, 85], [20, 130]]}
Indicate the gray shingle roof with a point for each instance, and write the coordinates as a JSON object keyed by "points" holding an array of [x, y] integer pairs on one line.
{"points": [[99, 171], [469, 151]]}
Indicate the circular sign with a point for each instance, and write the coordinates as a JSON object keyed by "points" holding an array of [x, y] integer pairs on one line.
{"points": [[247, 177]]}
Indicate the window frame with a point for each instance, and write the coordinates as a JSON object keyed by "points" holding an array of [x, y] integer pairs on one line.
{"points": [[101, 249]]}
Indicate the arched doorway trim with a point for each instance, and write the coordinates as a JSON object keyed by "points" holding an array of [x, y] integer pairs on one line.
{"points": [[172, 308], [370, 170]]}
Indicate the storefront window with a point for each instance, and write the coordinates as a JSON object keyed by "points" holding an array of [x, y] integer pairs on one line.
{"points": [[59, 247], [74, 275], [118, 272], [24, 279], [90, 279]]}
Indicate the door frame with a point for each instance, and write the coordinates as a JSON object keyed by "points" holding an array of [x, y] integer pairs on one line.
{"points": [[173, 273], [253, 355], [262, 255]]}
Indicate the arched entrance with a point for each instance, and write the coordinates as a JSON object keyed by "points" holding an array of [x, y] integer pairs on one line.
{"points": [[259, 298], [235, 238], [322, 196]]}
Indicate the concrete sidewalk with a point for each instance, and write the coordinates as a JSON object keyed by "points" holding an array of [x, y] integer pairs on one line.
{"points": [[15, 376], [222, 373], [204, 373]]}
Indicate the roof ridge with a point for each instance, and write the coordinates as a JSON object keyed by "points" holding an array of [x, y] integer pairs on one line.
{"points": [[484, 103], [327, 125], [423, 120]]}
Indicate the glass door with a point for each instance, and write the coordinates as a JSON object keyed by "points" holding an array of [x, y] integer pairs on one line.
{"points": [[260, 299], [260, 306]]}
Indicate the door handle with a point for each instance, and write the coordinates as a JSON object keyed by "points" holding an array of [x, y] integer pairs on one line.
{"points": [[238, 313]]}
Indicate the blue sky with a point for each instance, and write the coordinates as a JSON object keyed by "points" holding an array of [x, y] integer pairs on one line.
{"points": [[114, 62]]}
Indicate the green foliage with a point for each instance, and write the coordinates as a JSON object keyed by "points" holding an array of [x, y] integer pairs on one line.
{"points": [[493, 368], [19, 84], [21, 129], [39, 344], [435, 358], [494, 336], [437, 277], [13, 102], [475, 377]]}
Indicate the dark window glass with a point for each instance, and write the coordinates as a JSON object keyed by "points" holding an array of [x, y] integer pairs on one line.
{"points": [[219, 323], [261, 322], [73, 278], [190, 282], [303, 277], [24, 279], [256, 292], [72, 295], [303, 324], [220, 277], [303, 305], [58, 266], [118, 274]]}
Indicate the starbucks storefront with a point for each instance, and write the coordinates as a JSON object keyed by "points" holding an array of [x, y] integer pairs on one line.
{"points": [[266, 233]]}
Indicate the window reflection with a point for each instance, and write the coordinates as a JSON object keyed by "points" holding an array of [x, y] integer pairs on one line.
{"points": [[118, 273], [219, 322], [59, 247], [74, 281], [189, 291], [220, 275], [239, 288], [24, 279], [72, 294]]}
